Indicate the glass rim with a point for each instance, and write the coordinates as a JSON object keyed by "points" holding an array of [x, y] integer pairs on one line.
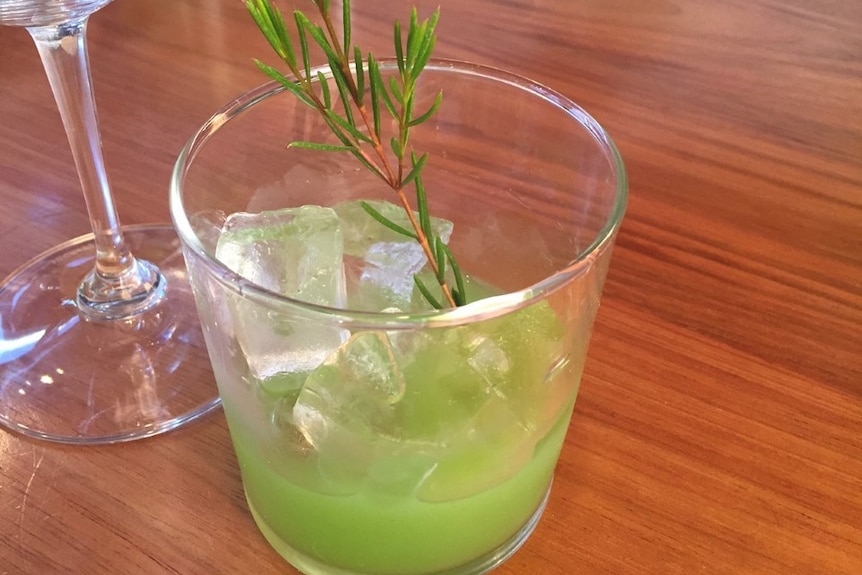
{"points": [[486, 308]]}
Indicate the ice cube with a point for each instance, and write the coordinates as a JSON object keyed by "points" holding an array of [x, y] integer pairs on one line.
{"points": [[495, 400], [458, 399], [296, 252], [390, 266], [355, 388], [361, 231], [347, 407], [491, 448], [383, 261], [491, 363], [534, 341]]}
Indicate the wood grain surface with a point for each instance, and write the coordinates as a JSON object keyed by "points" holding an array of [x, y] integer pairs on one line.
{"points": [[719, 424]]}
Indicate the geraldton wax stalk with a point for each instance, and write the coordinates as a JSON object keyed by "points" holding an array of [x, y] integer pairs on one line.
{"points": [[354, 115]]}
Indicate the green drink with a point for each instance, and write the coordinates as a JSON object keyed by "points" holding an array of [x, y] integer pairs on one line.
{"points": [[450, 468], [377, 436], [389, 533]]}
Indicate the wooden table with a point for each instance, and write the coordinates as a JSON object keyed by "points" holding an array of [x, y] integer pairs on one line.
{"points": [[719, 425]]}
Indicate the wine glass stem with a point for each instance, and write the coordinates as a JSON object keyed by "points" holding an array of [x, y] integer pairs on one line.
{"points": [[119, 285]]}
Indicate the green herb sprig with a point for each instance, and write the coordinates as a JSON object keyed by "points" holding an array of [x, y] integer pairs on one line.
{"points": [[355, 114]]}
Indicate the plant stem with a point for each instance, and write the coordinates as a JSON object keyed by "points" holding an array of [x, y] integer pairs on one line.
{"points": [[392, 179], [420, 42], [426, 246]]}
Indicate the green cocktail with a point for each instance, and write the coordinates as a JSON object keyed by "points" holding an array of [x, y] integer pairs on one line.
{"points": [[377, 532], [376, 436], [448, 468], [381, 532]]}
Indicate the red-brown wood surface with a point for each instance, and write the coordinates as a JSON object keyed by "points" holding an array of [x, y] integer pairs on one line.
{"points": [[719, 424]]}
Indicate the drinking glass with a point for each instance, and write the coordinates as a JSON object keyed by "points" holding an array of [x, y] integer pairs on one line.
{"points": [[399, 441], [98, 336]]}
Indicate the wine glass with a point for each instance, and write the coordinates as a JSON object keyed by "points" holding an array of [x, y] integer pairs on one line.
{"points": [[99, 338]]}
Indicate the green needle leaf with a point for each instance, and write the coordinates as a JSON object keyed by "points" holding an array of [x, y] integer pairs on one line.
{"points": [[289, 84], [415, 38], [440, 256], [396, 91], [431, 111], [425, 293], [360, 74], [319, 147], [459, 277], [377, 81], [343, 92], [432, 23], [347, 127], [399, 52], [271, 24], [303, 43], [345, 21], [371, 167], [386, 221], [374, 88], [320, 38], [417, 167], [337, 130], [423, 57], [324, 88], [422, 207], [429, 40]]}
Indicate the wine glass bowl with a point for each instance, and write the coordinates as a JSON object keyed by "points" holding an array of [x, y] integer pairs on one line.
{"points": [[99, 337]]}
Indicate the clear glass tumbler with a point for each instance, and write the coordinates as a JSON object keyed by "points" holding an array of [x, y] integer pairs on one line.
{"points": [[397, 442]]}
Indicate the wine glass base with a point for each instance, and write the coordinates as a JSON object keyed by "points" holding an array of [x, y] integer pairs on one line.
{"points": [[68, 379]]}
